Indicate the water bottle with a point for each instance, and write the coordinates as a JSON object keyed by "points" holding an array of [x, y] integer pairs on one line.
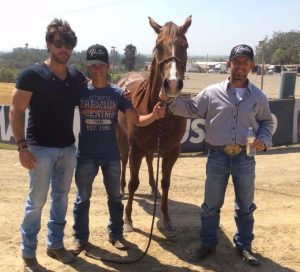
{"points": [[250, 139]]}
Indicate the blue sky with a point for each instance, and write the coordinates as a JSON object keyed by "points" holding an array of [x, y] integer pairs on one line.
{"points": [[217, 25]]}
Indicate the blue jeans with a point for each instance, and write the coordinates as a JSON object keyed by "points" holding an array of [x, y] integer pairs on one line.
{"points": [[55, 167], [85, 173], [219, 167]]}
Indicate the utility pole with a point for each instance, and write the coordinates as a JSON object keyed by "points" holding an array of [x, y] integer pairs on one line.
{"points": [[113, 56], [261, 45], [207, 63], [26, 55]]}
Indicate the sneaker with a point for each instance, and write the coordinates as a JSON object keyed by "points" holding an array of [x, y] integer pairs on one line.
{"points": [[202, 252], [248, 257], [61, 254], [119, 243], [31, 265]]}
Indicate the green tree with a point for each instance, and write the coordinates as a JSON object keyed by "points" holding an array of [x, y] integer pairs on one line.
{"points": [[282, 48], [129, 57], [141, 60], [280, 56], [8, 74]]}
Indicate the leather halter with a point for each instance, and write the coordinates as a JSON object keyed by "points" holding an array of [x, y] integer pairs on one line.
{"points": [[168, 59]]}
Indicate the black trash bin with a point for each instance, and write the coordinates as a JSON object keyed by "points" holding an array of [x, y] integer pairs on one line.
{"points": [[287, 84]]}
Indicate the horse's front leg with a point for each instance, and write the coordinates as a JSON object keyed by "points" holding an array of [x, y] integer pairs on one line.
{"points": [[149, 160], [124, 150], [124, 159], [168, 162], [135, 159]]}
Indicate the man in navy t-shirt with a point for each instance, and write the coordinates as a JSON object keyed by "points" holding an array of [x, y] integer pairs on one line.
{"points": [[50, 91], [99, 104]]}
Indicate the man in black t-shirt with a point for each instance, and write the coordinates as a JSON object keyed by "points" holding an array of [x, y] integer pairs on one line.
{"points": [[50, 91]]}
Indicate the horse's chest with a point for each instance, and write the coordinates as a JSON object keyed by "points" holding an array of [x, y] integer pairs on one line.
{"points": [[168, 131]]}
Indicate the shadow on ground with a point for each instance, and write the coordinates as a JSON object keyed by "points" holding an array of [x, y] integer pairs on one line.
{"points": [[183, 241]]}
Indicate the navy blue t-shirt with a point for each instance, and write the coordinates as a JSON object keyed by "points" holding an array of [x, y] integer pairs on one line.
{"points": [[51, 109], [98, 118]]}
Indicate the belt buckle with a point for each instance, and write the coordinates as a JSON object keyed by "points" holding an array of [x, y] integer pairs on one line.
{"points": [[232, 149]]}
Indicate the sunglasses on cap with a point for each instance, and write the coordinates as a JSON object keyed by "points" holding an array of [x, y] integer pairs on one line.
{"points": [[60, 44]]}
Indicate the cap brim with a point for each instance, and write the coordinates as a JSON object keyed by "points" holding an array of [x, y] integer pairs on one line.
{"points": [[93, 62], [241, 55]]}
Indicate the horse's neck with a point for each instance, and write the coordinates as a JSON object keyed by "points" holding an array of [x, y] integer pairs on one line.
{"points": [[155, 83]]}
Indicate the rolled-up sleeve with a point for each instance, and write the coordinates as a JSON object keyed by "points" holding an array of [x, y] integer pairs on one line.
{"points": [[195, 107]]}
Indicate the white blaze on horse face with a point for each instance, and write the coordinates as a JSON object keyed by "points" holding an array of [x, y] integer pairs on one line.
{"points": [[173, 66]]}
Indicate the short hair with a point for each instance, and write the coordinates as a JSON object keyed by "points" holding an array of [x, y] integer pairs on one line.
{"points": [[62, 27]]}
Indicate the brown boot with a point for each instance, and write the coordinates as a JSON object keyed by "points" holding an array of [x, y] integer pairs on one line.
{"points": [[31, 265], [202, 252], [61, 254], [78, 247], [119, 243], [248, 257]]}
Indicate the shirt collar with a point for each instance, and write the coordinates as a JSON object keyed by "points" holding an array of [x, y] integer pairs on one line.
{"points": [[229, 86]]}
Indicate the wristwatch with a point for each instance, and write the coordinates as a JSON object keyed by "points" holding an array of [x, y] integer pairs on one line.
{"points": [[23, 147]]}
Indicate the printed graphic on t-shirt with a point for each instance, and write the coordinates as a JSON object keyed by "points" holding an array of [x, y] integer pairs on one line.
{"points": [[98, 112]]}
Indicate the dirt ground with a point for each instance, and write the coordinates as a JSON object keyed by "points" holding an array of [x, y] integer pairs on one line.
{"points": [[277, 220]]}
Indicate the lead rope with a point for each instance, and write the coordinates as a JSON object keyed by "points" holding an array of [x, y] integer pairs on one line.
{"points": [[91, 255]]}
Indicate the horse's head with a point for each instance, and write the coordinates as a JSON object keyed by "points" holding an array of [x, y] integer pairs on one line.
{"points": [[170, 54]]}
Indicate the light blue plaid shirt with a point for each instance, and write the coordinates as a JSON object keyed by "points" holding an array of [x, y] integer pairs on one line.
{"points": [[226, 118]]}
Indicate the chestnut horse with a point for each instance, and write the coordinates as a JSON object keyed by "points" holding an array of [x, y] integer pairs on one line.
{"points": [[166, 73]]}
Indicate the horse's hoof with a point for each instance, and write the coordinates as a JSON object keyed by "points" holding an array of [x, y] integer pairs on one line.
{"points": [[165, 226], [167, 230], [128, 227], [158, 195]]}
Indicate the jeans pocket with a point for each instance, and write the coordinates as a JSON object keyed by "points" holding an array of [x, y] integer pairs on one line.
{"points": [[34, 147], [213, 152]]}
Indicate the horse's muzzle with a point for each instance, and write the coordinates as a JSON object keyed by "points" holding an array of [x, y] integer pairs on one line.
{"points": [[172, 87]]}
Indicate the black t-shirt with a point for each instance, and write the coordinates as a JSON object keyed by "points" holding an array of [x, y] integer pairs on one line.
{"points": [[51, 109]]}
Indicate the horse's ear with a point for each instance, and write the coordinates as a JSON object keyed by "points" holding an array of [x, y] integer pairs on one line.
{"points": [[186, 24], [154, 25]]}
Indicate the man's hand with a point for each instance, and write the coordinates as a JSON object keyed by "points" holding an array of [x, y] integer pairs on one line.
{"points": [[126, 94], [258, 145], [27, 159], [159, 111]]}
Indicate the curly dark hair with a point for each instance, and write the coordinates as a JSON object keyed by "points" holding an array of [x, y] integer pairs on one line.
{"points": [[62, 27]]}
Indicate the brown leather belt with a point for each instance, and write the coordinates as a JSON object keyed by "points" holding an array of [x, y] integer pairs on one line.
{"points": [[230, 149]]}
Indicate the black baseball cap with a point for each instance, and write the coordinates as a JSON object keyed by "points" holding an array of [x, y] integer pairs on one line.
{"points": [[242, 50], [97, 54]]}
